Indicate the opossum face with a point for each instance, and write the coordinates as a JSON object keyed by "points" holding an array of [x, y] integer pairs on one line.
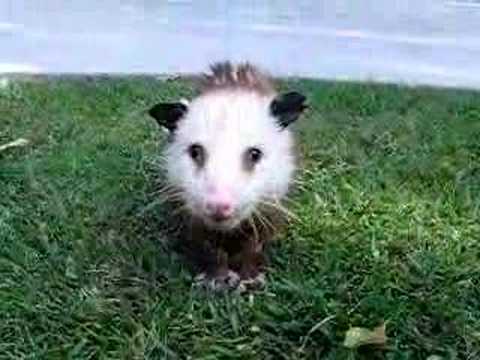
{"points": [[230, 152]]}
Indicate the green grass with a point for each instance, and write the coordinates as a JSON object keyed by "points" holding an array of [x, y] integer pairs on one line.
{"points": [[388, 230]]}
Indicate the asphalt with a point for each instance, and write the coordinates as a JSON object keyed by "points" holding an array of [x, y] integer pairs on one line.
{"points": [[432, 42]]}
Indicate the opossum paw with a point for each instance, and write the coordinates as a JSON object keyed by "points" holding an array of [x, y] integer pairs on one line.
{"points": [[219, 282], [254, 283]]}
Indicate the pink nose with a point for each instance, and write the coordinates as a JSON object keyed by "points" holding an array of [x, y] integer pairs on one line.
{"points": [[219, 210]]}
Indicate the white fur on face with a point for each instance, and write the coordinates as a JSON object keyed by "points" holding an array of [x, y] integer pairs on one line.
{"points": [[226, 123]]}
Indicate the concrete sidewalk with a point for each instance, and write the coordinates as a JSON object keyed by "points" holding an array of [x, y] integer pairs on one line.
{"points": [[431, 42]]}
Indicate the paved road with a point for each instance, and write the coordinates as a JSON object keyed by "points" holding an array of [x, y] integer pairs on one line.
{"points": [[414, 41]]}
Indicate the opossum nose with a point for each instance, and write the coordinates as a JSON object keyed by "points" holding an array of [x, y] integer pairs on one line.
{"points": [[220, 210]]}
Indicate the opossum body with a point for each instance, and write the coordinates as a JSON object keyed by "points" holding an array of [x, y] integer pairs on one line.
{"points": [[230, 159]]}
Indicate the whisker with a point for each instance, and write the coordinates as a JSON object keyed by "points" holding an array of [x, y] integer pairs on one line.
{"points": [[160, 201], [254, 227], [292, 202], [298, 181], [264, 221], [166, 190], [281, 208], [177, 197], [179, 209]]}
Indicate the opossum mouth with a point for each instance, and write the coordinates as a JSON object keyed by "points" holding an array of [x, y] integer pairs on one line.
{"points": [[221, 223]]}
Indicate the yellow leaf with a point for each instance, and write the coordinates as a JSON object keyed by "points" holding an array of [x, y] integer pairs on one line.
{"points": [[358, 336]]}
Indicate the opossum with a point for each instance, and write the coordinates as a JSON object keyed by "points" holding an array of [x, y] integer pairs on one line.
{"points": [[230, 158]]}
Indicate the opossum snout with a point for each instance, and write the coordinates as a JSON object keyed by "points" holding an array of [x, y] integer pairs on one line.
{"points": [[219, 205], [220, 212]]}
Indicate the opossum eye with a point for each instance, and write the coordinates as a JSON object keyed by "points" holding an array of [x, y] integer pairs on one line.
{"points": [[252, 156], [197, 153]]}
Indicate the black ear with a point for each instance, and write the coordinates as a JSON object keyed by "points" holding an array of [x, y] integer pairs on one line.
{"points": [[168, 114], [288, 107]]}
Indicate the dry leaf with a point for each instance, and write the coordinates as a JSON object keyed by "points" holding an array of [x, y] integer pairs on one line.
{"points": [[358, 336], [16, 143]]}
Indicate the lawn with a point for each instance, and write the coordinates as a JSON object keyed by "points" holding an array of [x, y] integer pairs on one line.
{"points": [[388, 231]]}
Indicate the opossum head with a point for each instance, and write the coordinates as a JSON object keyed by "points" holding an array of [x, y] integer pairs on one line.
{"points": [[231, 149]]}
